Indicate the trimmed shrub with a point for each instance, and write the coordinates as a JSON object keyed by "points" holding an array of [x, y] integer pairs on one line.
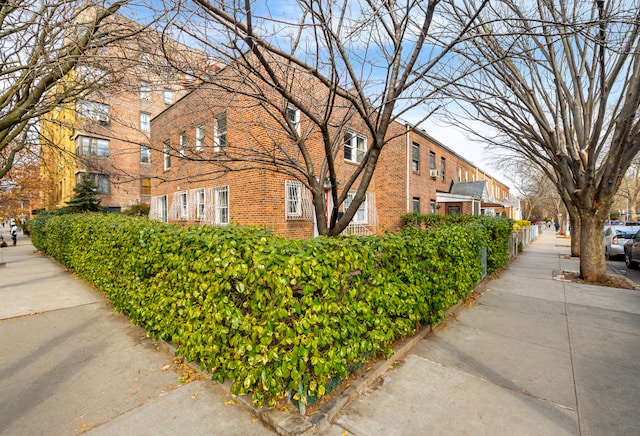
{"points": [[279, 317]]}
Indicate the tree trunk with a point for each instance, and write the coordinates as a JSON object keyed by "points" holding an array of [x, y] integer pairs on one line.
{"points": [[575, 237], [593, 267]]}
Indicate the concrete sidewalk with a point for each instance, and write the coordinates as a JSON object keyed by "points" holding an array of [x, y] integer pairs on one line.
{"points": [[69, 364], [533, 355]]}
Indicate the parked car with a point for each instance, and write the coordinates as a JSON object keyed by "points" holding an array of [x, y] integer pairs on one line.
{"points": [[614, 239], [632, 251]]}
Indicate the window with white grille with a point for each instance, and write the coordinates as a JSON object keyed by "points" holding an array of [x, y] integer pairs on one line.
{"points": [[221, 198], [145, 90], [293, 199], [200, 203], [183, 205]]}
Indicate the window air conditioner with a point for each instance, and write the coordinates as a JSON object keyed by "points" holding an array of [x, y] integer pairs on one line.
{"points": [[434, 173]]}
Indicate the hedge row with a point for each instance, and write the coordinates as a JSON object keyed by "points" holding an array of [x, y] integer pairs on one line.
{"points": [[278, 317], [494, 231]]}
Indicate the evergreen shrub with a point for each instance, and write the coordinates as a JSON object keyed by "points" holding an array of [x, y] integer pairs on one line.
{"points": [[278, 317]]}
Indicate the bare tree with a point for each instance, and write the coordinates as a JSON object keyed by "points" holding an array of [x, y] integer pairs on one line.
{"points": [[40, 43], [539, 197], [336, 63], [559, 83], [630, 190]]}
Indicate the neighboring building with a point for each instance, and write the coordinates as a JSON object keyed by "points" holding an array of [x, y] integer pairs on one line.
{"points": [[196, 180], [105, 133]]}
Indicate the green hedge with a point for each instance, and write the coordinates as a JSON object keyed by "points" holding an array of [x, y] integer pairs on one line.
{"points": [[276, 316], [493, 231]]}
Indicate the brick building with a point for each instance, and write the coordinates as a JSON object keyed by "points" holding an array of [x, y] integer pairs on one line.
{"points": [[104, 133], [217, 157]]}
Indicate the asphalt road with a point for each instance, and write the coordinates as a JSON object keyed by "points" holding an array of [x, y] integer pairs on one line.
{"points": [[633, 274]]}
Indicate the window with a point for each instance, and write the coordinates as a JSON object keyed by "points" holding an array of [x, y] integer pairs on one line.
{"points": [[145, 90], [443, 165], [183, 144], [466, 175], [355, 146], [92, 110], [89, 146], [163, 208], [221, 197], [416, 205], [220, 132], [91, 74], [453, 210], [145, 122], [459, 174], [199, 137], [415, 158], [432, 206], [167, 96], [432, 160], [167, 155], [101, 181], [361, 215], [145, 186], [293, 194], [145, 154], [200, 203], [183, 205], [293, 115]]}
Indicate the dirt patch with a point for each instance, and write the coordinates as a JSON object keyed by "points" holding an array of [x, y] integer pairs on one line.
{"points": [[611, 281]]}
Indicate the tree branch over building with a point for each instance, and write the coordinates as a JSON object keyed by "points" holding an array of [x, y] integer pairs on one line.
{"points": [[41, 42], [358, 65]]}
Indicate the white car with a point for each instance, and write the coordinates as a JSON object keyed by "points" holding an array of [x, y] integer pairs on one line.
{"points": [[615, 238]]}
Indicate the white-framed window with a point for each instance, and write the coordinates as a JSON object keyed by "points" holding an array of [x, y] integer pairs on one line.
{"points": [[91, 74], [221, 198], [355, 147], [93, 110], [443, 166], [145, 90], [459, 174], [167, 96], [466, 175], [293, 115], [159, 208], [220, 132], [293, 198], [167, 155], [183, 205], [183, 144], [90, 146], [361, 215], [200, 203], [145, 154], [432, 206], [101, 181], [145, 121], [199, 137]]}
